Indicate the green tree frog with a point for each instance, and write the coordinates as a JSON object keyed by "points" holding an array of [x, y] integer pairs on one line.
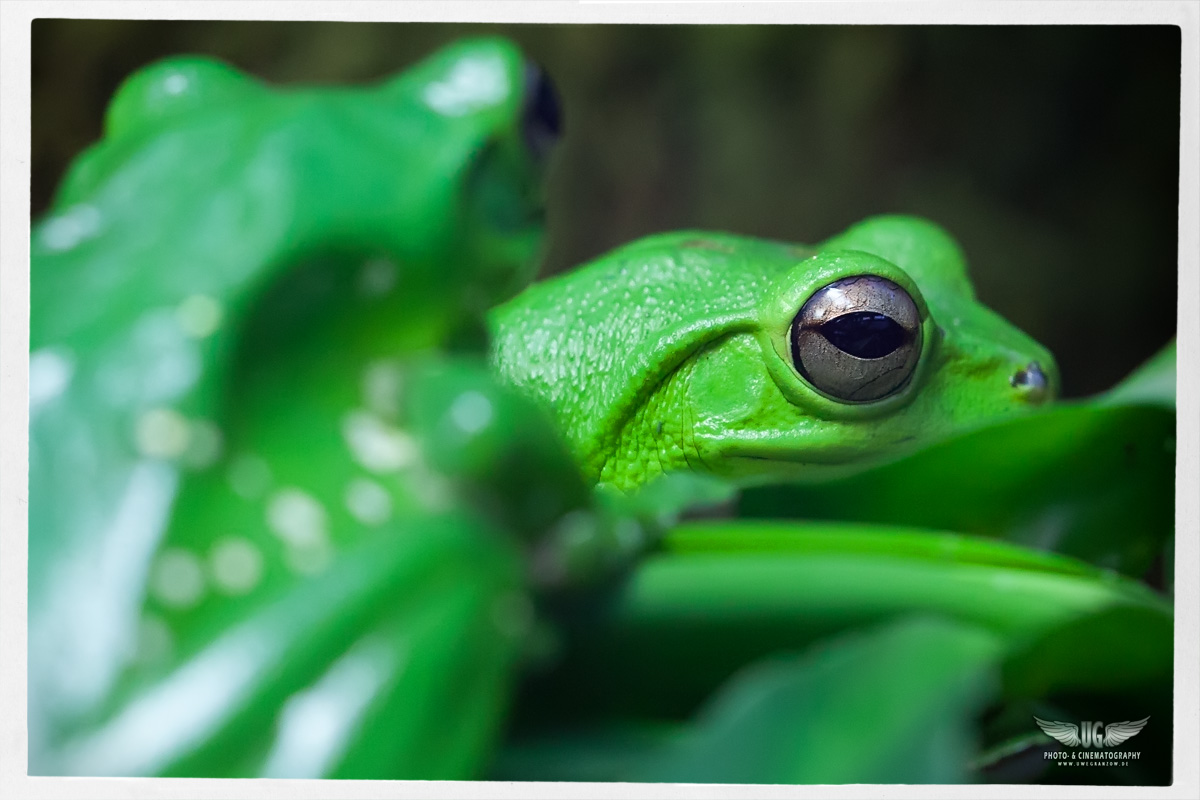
{"points": [[754, 359], [250, 503]]}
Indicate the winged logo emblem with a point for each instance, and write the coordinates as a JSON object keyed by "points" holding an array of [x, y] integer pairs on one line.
{"points": [[1114, 732]]}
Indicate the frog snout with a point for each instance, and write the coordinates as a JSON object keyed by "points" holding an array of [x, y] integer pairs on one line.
{"points": [[1032, 383]]}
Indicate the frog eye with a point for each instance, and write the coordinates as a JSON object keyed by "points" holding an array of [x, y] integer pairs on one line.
{"points": [[857, 339], [541, 118]]}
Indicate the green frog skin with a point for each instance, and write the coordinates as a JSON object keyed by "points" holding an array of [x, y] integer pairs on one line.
{"points": [[240, 475], [720, 353]]}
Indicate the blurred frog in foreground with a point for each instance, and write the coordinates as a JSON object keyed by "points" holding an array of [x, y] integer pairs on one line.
{"points": [[284, 520], [271, 477]]}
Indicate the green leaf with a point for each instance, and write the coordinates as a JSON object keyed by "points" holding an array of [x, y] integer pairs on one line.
{"points": [[609, 751], [726, 593], [893, 705], [1115, 650], [1089, 481], [762, 536], [1153, 383]]}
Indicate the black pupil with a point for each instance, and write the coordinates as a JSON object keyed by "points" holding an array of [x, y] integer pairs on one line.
{"points": [[864, 334], [543, 118]]}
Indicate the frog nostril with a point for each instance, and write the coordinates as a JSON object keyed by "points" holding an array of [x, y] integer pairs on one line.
{"points": [[1031, 382]]}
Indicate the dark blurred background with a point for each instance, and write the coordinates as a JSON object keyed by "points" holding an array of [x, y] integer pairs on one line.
{"points": [[1050, 152]]}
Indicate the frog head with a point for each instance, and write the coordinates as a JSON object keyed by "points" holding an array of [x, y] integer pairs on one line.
{"points": [[755, 360], [437, 171], [484, 122]]}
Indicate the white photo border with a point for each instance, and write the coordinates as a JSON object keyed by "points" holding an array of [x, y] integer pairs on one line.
{"points": [[15, 45]]}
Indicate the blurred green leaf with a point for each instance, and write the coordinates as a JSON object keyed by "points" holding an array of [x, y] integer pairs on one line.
{"points": [[1114, 650], [726, 593], [762, 536], [894, 705], [1092, 482], [1153, 383], [610, 751], [890, 704]]}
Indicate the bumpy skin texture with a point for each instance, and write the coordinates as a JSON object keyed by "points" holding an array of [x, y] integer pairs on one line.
{"points": [[244, 490], [672, 353]]}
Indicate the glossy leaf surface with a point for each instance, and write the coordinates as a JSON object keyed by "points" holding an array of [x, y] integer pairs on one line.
{"points": [[1093, 481], [722, 594], [888, 704]]}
